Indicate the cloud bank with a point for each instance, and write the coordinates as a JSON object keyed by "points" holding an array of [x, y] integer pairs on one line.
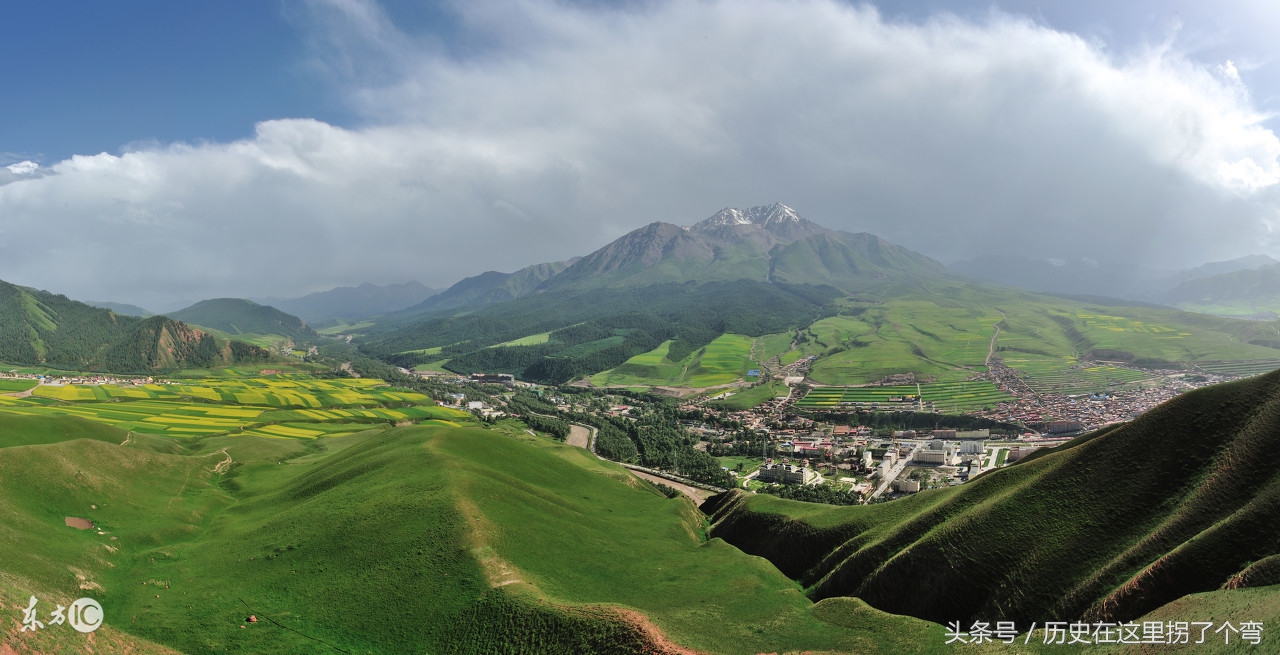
{"points": [[571, 126]]}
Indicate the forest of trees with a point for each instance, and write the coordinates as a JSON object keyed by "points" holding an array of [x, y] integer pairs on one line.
{"points": [[37, 327]]}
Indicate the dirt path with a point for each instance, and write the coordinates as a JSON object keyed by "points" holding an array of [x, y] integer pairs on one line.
{"points": [[579, 436], [991, 351], [225, 464], [694, 493]]}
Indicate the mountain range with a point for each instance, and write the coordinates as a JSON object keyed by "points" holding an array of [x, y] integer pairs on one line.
{"points": [[351, 304], [237, 316], [41, 328], [1236, 287]]}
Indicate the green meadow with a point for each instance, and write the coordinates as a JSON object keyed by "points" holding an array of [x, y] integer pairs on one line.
{"points": [[945, 335], [421, 539], [723, 361], [750, 397]]}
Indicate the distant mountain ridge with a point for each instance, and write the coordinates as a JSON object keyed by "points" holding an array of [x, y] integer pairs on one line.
{"points": [[756, 271], [1084, 276], [120, 308], [237, 316], [770, 243], [1249, 292], [41, 328], [352, 304], [490, 287]]}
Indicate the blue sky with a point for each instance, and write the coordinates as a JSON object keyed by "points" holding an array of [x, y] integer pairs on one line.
{"points": [[520, 131]]}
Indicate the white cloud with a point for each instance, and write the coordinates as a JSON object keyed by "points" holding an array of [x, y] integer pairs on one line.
{"points": [[572, 125], [23, 168]]}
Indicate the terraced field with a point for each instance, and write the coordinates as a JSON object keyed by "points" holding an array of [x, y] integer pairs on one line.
{"points": [[308, 408], [942, 397], [1247, 368], [1086, 379], [725, 360]]}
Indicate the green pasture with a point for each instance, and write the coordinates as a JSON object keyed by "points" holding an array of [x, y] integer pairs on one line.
{"points": [[421, 539], [342, 327], [11, 386], [750, 397], [531, 340], [723, 361]]}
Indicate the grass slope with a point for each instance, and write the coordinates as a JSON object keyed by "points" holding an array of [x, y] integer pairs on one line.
{"points": [[723, 361], [422, 539], [1107, 527]]}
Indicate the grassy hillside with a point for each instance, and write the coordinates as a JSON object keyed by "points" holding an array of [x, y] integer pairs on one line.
{"points": [[1107, 527], [723, 361], [945, 333], [600, 329], [428, 539], [40, 328], [236, 316]]}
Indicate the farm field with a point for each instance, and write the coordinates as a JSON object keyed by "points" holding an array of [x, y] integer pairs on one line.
{"points": [[723, 361], [1079, 379], [945, 396], [748, 398], [944, 335], [263, 407], [271, 392], [12, 386], [1256, 367]]}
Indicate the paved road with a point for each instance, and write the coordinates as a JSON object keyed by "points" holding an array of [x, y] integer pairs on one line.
{"points": [[893, 472]]}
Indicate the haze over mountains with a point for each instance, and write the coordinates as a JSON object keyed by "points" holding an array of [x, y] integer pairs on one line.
{"points": [[237, 316], [351, 304], [1216, 287]]}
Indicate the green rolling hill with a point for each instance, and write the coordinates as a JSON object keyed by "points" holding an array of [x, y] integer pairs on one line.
{"points": [[237, 317], [41, 328], [1108, 527], [422, 539]]}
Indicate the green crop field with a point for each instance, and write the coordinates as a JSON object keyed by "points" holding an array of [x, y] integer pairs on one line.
{"points": [[421, 539], [1079, 379], [1246, 368], [531, 340], [723, 361], [945, 335], [215, 406], [748, 398], [940, 396], [10, 386]]}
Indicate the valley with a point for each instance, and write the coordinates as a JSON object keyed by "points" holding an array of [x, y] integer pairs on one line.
{"points": [[751, 434]]}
